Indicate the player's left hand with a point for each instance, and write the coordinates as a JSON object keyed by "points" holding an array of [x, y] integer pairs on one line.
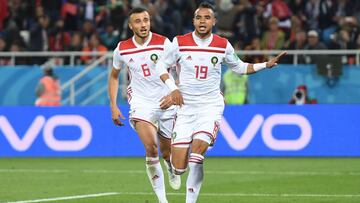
{"points": [[273, 62], [166, 102]]}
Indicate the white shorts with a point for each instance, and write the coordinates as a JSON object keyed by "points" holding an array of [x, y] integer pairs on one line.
{"points": [[201, 124], [162, 120]]}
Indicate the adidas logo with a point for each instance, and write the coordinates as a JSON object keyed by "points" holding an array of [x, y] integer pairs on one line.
{"points": [[191, 190], [189, 58], [131, 60]]}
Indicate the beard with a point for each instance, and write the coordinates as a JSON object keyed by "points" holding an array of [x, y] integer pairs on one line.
{"points": [[142, 35]]}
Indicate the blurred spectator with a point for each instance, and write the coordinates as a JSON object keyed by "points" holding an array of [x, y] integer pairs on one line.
{"points": [[157, 23], [16, 47], [296, 27], [87, 10], [39, 35], [87, 30], [3, 45], [327, 14], [345, 8], [235, 88], [273, 38], [298, 44], [358, 42], [300, 96], [3, 48], [52, 8], [246, 24], [313, 41], [313, 44], [33, 24], [48, 91], [39, 38], [171, 16], [297, 7], [312, 14], [255, 45], [4, 12], [351, 27], [59, 39], [69, 11], [11, 34], [118, 14], [334, 42], [76, 44], [280, 10], [20, 12], [110, 37], [226, 12], [174, 10], [94, 46]]}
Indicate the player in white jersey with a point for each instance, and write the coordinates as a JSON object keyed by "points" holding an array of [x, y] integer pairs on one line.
{"points": [[200, 55], [139, 55]]}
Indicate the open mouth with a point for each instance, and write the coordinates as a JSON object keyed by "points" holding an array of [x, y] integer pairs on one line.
{"points": [[143, 31], [202, 28]]}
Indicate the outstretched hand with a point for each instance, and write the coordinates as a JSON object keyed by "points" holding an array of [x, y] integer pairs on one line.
{"points": [[115, 115], [273, 62]]}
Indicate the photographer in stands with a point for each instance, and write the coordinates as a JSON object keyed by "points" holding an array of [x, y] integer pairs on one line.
{"points": [[300, 96]]}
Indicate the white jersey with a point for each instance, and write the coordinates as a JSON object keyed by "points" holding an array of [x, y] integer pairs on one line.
{"points": [[200, 65], [145, 86]]}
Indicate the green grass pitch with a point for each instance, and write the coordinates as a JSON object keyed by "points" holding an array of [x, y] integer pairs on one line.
{"points": [[249, 180]]}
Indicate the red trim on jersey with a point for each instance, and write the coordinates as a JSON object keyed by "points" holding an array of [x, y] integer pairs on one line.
{"points": [[180, 143], [207, 133], [218, 41], [204, 50], [139, 119], [142, 50], [157, 39], [129, 92], [163, 136], [129, 87], [216, 129], [127, 44], [186, 40]]}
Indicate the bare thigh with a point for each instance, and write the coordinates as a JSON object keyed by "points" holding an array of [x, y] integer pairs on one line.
{"points": [[147, 134]]}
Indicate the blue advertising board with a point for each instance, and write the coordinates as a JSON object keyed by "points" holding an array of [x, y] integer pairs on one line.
{"points": [[249, 130]]}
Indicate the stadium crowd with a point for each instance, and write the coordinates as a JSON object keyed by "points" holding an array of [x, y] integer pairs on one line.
{"points": [[98, 25]]}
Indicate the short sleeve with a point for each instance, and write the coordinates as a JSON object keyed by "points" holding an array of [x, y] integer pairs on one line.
{"points": [[169, 57], [118, 62]]}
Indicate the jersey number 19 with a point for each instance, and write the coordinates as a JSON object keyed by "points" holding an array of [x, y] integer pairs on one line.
{"points": [[201, 72]]}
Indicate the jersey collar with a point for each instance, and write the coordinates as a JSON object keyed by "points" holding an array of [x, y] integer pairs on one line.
{"points": [[202, 42], [146, 42]]}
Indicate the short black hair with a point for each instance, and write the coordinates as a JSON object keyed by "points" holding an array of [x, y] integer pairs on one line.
{"points": [[137, 10], [206, 4]]}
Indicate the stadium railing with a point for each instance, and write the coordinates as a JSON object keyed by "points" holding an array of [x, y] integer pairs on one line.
{"points": [[295, 53], [69, 85]]}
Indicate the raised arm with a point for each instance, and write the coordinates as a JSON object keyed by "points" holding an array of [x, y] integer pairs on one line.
{"points": [[240, 67]]}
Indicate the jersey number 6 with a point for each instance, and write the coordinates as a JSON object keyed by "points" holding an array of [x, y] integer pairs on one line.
{"points": [[146, 70]]}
